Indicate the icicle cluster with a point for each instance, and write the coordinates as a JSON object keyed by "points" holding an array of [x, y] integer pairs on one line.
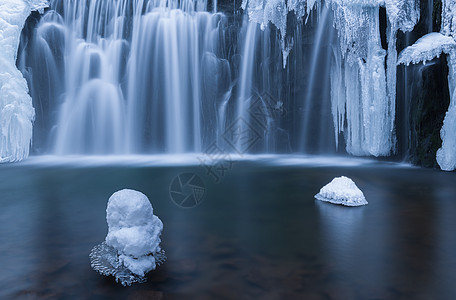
{"points": [[448, 18], [363, 90], [38, 5], [276, 12], [358, 82], [446, 155], [16, 110]]}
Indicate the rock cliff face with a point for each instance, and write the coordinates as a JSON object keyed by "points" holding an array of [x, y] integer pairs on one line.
{"points": [[423, 96], [428, 105]]}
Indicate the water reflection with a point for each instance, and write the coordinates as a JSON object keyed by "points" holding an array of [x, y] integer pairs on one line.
{"points": [[356, 244], [258, 233], [445, 238]]}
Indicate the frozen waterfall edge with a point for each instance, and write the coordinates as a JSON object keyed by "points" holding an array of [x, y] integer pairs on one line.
{"points": [[16, 109]]}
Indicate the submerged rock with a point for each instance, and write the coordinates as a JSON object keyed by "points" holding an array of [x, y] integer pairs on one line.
{"points": [[342, 190], [132, 246]]}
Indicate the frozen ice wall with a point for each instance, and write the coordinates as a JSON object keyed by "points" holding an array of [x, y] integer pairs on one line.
{"points": [[16, 110], [446, 155], [363, 89], [448, 18], [359, 94]]}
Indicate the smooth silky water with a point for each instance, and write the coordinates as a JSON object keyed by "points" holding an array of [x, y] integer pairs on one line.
{"points": [[131, 77], [258, 233]]}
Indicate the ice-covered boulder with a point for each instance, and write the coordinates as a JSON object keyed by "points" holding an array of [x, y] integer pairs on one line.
{"points": [[342, 190], [132, 246], [16, 110]]}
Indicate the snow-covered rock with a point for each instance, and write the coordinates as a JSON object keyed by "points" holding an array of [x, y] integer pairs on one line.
{"points": [[132, 246], [16, 110], [426, 48], [342, 190]]}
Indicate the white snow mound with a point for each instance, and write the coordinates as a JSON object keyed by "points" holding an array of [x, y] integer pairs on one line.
{"points": [[342, 190], [132, 245], [133, 230]]}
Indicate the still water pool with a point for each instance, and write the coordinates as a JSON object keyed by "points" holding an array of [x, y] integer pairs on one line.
{"points": [[258, 233]]}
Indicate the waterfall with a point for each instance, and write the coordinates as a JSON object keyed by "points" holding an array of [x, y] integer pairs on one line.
{"points": [[150, 76], [144, 77], [316, 121], [122, 76]]}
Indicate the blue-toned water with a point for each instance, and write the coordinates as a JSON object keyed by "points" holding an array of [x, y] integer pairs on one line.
{"points": [[205, 91], [257, 233]]}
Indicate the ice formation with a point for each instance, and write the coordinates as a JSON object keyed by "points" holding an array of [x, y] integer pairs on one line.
{"points": [[446, 155], [359, 83], [363, 90], [427, 48], [342, 190], [264, 12], [16, 110], [132, 246], [448, 18]]}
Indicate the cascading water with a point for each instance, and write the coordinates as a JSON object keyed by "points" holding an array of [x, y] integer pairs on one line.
{"points": [[139, 76], [126, 77], [317, 117], [130, 71]]}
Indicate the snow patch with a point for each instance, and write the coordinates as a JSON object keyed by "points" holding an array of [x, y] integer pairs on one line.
{"points": [[342, 190], [427, 48]]}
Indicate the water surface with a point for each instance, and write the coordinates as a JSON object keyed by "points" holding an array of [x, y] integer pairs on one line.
{"points": [[257, 234]]}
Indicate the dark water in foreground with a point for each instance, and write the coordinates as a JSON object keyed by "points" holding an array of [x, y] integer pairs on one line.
{"points": [[258, 234]]}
